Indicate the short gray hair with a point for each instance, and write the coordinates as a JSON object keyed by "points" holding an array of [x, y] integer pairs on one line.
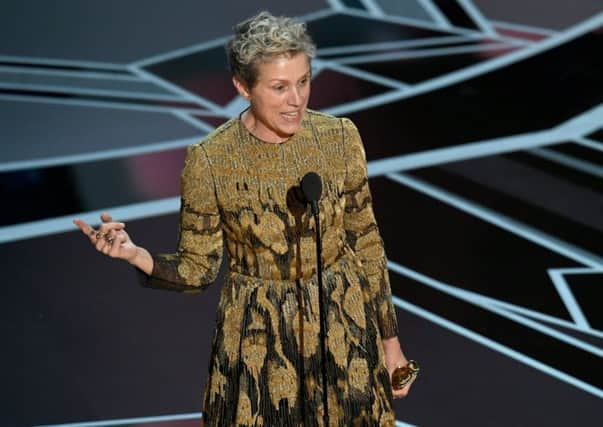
{"points": [[262, 38]]}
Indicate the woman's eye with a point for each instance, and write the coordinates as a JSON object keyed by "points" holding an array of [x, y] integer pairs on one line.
{"points": [[279, 88]]}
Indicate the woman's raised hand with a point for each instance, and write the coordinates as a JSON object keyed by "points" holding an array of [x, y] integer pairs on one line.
{"points": [[110, 238]]}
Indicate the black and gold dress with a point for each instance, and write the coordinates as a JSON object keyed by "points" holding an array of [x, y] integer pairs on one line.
{"points": [[265, 367]]}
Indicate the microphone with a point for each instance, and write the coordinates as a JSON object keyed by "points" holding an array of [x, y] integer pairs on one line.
{"points": [[311, 186]]}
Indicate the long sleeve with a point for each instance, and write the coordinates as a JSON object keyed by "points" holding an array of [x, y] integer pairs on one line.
{"points": [[196, 263], [362, 232]]}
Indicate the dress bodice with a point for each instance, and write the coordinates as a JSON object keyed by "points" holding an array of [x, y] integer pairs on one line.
{"points": [[269, 231]]}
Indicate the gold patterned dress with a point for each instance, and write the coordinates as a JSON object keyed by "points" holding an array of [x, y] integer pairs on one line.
{"points": [[265, 366]]}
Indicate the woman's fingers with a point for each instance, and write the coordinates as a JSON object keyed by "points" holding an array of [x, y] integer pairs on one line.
{"points": [[104, 241], [120, 238], [398, 394], [100, 242], [86, 229], [108, 238], [106, 248], [105, 235], [106, 227], [403, 392]]}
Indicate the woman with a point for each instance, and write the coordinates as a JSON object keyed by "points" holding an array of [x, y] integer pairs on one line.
{"points": [[238, 187]]}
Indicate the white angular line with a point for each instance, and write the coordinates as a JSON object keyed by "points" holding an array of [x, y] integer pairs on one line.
{"points": [[396, 19], [421, 53], [128, 421], [584, 123], [62, 62], [548, 319], [155, 147], [102, 104], [477, 17], [361, 74], [335, 5], [493, 345], [464, 151], [568, 161], [183, 51], [365, 103], [145, 75], [237, 105], [68, 73], [568, 298], [339, 50], [483, 303], [470, 150], [579, 270], [64, 223], [435, 13], [501, 221], [595, 145], [193, 121], [319, 14], [523, 28], [504, 305], [33, 87], [373, 8]]}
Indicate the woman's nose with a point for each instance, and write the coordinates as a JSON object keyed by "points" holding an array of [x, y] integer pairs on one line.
{"points": [[295, 96]]}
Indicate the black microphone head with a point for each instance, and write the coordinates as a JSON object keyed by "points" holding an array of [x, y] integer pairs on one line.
{"points": [[311, 186]]}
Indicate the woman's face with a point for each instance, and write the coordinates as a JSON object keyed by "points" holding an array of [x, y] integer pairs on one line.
{"points": [[279, 97]]}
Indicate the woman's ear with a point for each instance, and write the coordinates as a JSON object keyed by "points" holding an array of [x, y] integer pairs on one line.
{"points": [[241, 88]]}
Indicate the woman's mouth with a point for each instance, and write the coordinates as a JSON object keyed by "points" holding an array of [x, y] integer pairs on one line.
{"points": [[291, 116]]}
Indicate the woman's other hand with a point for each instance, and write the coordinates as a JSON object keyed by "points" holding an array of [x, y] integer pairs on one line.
{"points": [[394, 358], [111, 238]]}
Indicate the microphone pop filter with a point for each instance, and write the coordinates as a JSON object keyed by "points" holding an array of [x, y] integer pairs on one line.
{"points": [[311, 186]]}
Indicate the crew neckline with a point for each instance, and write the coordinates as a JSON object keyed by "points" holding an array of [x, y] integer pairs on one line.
{"points": [[251, 135]]}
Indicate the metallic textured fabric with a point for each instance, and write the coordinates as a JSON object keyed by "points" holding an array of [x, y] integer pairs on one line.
{"points": [[266, 358]]}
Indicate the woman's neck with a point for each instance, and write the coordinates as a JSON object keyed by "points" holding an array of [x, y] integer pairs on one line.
{"points": [[253, 125]]}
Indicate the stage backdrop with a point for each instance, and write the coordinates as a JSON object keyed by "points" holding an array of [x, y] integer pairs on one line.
{"points": [[483, 127]]}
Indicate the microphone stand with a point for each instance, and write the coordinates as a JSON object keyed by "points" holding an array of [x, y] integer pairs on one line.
{"points": [[322, 314]]}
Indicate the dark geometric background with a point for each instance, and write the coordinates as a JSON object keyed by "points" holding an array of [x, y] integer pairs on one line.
{"points": [[483, 126]]}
